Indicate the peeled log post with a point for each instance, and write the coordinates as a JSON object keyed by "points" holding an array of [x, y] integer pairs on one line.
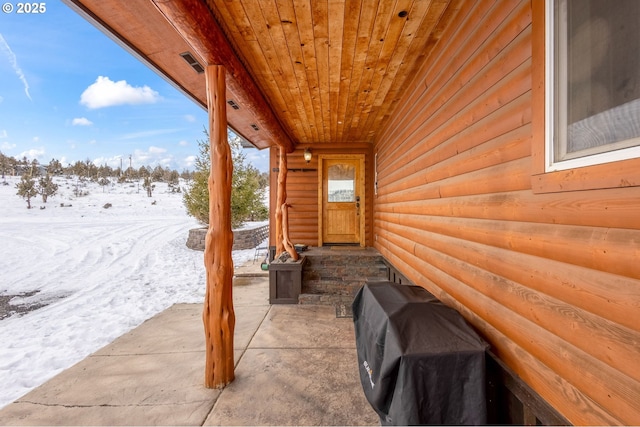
{"points": [[218, 315], [281, 197], [285, 233]]}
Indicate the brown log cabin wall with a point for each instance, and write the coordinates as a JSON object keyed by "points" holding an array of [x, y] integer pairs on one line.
{"points": [[302, 189], [552, 280]]}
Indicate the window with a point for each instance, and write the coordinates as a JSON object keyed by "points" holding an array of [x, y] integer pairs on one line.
{"points": [[341, 183], [593, 82]]}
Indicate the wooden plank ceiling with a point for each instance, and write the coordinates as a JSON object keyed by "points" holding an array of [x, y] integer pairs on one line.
{"points": [[330, 71]]}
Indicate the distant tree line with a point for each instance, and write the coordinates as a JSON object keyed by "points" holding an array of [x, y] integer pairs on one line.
{"points": [[87, 169], [247, 194], [37, 179]]}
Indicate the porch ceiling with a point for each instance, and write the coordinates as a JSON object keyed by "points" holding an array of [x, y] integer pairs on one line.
{"points": [[301, 71]]}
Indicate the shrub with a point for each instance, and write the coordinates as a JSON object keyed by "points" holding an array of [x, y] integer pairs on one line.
{"points": [[246, 187], [148, 185], [27, 188], [46, 187]]}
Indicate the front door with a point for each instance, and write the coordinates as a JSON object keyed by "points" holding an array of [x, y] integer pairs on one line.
{"points": [[342, 201]]}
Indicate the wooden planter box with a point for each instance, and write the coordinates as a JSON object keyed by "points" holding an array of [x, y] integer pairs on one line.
{"points": [[285, 281]]}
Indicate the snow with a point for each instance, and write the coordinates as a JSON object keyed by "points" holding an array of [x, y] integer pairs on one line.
{"points": [[102, 272]]}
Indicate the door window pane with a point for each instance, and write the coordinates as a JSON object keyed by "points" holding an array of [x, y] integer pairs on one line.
{"points": [[341, 183]]}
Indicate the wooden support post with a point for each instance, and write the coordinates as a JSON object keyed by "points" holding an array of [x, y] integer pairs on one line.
{"points": [[281, 198], [218, 314], [288, 246]]}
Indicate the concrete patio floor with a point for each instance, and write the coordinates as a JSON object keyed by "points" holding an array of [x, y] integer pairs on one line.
{"points": [[295, 365]]}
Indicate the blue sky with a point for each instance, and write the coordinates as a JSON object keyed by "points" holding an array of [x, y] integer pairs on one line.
{"points": [[69, 92]]}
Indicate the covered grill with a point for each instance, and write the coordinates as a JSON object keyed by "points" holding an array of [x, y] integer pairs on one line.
{"points": [[419, 361]]}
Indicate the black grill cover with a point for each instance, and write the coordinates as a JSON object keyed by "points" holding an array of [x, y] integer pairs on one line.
{"points": [[420, 362]]}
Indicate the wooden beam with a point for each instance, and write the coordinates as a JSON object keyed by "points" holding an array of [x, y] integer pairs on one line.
{"points": [[218, 315], [193, 20]]}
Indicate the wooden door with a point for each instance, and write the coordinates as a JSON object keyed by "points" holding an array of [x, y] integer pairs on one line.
{"points": [[342, 200]]}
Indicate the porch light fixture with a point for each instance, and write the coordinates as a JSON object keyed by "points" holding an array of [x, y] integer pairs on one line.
{"points": [[307, 155]]}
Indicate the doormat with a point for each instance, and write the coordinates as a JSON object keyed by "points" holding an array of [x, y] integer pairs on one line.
{"points": [[343, 310], [347, 248]]}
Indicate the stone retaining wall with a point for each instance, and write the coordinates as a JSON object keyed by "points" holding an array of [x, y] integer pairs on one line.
{"points": [[242, 239]]}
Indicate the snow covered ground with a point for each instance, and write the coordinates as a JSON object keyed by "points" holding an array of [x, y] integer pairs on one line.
{"points": [[99, 271]]}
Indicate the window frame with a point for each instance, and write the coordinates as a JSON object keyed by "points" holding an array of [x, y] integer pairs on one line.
{"points": [[605, 170]]}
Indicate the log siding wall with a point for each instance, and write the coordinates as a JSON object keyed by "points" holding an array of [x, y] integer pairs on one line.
{"points": [[552, 280]]}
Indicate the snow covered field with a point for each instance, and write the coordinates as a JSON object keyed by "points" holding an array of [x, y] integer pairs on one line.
{"points": [[100, 271]]}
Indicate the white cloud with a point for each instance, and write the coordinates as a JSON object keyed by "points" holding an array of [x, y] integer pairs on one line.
{"points": [[7, 146], [3, 133], [114, 161], [189, 162], [153, 156], [148, 133], [190, 118], [183, 143], [107, 93], [36, 139], [156, 150], [81, 121], [34, 153], [13, 60], [141, 158], [166, 162]]}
